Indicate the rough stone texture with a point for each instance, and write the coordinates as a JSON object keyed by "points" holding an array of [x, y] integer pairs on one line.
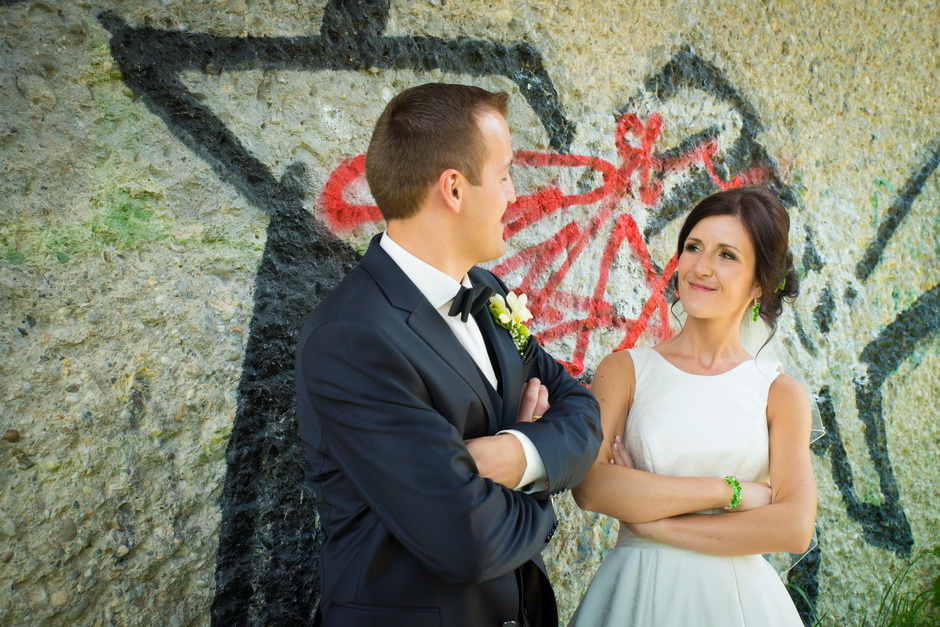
{"points": [[159, 162]]}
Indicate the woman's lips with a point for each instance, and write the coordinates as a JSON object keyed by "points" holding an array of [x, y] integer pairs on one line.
{"points": [[701, 288]]}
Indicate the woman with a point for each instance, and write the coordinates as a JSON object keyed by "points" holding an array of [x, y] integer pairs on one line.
{"points": [[696, 428]]}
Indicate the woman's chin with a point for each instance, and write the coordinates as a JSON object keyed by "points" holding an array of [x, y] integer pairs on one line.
{"points": [[694, 309], [702, 311]]}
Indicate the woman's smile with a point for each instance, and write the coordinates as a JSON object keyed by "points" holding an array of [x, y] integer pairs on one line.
{"points": [[717, 260]]}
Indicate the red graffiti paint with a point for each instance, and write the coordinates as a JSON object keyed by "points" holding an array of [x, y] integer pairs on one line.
{"points": [[559, 313]]}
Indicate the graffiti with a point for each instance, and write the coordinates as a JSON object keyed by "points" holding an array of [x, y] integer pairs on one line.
{"points": [[884, 525], [571, 313], [576, 215]]}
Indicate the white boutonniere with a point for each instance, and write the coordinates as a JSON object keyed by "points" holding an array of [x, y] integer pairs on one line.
{"points": [[512, 314]]}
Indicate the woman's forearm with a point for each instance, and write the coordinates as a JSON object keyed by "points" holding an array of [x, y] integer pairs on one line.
{"points": [[779, 527], [636, 496]]}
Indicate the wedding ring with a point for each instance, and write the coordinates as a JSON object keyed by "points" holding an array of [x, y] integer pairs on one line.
{"points": [[536, 417]]}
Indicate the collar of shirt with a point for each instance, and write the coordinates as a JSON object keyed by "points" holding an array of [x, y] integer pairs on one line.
{"points": [[436, 286]]}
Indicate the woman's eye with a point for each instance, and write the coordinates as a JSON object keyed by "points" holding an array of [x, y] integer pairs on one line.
{"points": [[691, 247], [728, 255]]}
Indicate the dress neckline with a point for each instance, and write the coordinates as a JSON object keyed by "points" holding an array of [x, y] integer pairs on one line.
{"points": [[692, 374]]}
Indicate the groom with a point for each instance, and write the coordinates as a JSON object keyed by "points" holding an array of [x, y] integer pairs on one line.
{"points": [[431, 473]]}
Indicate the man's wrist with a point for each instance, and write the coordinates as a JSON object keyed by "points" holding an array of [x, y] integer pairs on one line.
{"points": [[533, 471]]}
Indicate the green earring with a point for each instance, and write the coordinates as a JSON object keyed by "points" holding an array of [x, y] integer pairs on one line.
{"points": [[755, 310]]}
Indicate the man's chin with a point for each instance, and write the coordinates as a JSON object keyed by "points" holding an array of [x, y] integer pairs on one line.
{"points": [[496, 252]]}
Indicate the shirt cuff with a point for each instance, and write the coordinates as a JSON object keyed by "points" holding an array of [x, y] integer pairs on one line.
{"points": [[534, 466]]}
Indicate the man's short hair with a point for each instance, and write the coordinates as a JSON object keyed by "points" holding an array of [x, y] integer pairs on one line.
{"points": [[422, 132]]}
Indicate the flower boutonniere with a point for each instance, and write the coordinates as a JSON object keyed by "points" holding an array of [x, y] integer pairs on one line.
{"points": [[512, 314]]}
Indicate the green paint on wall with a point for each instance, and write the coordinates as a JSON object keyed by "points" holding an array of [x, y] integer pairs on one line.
{"points": [[878, 182]]}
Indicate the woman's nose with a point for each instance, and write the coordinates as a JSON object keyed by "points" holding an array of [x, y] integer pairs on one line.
{"points": [[703, 266]]}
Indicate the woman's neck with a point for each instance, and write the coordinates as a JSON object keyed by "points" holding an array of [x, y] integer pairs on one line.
{"points": [[706, 344]]}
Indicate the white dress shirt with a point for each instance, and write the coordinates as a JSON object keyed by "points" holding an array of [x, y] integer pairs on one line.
{"points": [[440, 289]]}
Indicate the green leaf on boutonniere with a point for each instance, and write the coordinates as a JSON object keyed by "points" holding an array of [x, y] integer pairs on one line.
{"points": [[512, 314]]}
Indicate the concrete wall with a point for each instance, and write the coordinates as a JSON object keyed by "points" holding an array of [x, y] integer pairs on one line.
{"points": [[181, 184]]}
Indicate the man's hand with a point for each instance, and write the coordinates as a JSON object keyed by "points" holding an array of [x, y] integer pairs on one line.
{"points": [[534, 403], [502, 458], [499, 458]]}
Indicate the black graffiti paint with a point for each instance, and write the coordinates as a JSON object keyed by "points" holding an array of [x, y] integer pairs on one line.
{"points": [[883, 356], [687, 71], [884, 523], [898, 210], [822, 313]]}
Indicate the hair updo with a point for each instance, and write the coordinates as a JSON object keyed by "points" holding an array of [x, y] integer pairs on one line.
{"points": [[768, 227]]}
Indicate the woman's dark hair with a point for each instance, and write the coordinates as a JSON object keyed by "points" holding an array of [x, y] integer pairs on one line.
{"points": [[768, 227]]}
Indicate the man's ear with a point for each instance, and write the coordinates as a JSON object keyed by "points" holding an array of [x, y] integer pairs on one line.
{"points": [[450, 186]]}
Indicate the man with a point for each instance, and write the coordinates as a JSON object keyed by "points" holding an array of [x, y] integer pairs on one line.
{"points": [[430, 462]]}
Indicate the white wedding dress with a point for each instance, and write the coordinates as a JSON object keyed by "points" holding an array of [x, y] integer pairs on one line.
{"points": [[690, 425]]}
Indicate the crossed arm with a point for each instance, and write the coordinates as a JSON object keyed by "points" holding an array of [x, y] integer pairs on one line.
{"points": [[409, 465], [566, 437], [500, 457], [769, 519]]}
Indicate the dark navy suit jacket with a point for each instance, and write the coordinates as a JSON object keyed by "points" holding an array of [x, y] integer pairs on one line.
{"points": [[386, 395]]}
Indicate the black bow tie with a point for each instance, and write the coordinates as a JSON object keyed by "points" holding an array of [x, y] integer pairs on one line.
{"points": [[470, 300]]}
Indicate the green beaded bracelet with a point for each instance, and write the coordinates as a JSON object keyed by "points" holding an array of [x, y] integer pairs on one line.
{"points": [[735, 492]]}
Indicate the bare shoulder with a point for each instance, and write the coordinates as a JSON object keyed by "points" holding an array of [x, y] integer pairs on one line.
{"points": [[614, 379], [788, 400], [786, 387]]}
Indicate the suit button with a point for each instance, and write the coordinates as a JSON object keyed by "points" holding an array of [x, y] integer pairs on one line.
{"points": [[509, 622]]}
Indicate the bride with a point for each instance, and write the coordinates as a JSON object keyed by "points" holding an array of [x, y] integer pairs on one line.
{"points": [[706, 457]]}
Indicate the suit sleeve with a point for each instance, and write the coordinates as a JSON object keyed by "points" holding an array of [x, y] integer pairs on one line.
{"points": [[409, 463], [569, 435]]}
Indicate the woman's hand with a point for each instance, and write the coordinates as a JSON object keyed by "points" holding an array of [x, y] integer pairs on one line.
{"points": [[753, 495], [621, 456], [644, 530], [534, 403]]}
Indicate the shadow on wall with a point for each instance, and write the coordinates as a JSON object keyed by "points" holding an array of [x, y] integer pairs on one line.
{"points": [[267, 559]]}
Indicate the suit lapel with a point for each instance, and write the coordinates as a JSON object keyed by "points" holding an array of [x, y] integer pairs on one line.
{"points": [[508, 362], [425, 321]]}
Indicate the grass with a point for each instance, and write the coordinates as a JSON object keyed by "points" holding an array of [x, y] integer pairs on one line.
{"points": [[899, 605]]}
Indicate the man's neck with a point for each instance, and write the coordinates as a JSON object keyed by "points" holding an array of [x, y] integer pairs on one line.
{"points": [[432, 248]]}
